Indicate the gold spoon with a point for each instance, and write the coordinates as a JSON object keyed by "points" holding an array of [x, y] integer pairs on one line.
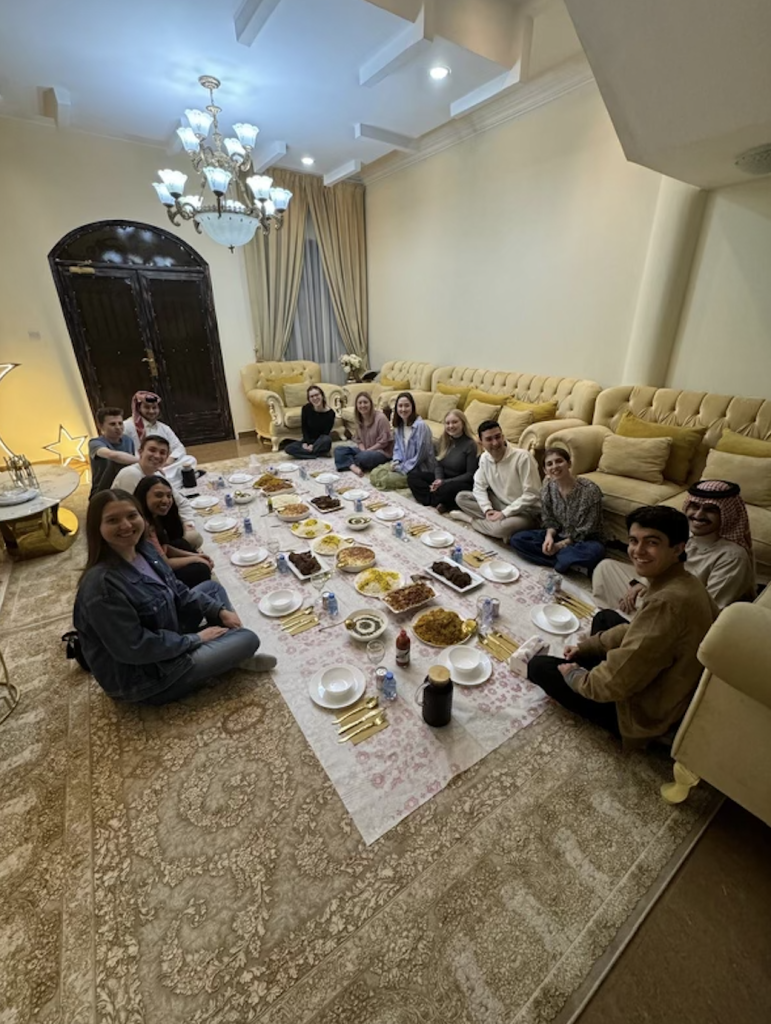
{"points": [[378, 720], [370, 702]]}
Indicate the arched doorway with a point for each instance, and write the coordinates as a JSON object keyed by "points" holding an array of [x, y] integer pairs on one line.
{"points": [[140, 312]]}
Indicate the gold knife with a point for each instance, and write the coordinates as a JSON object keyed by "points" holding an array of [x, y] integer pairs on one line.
{"points": [[370, 702], [378, 720], [359, 721]]}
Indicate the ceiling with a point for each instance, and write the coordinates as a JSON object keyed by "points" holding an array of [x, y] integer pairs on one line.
{"points": [[686, 82], [129, 70]]}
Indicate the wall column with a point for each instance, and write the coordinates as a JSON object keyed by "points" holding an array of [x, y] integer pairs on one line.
{"points": [[676, 228]]}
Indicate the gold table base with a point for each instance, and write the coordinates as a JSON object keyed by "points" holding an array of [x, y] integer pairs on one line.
{"points": [[45, 533]]}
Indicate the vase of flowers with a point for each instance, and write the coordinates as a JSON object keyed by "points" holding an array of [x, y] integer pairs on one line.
{"points": [[352, 365]]}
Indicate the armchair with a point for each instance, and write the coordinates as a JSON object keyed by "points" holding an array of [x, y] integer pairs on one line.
{"points": [[274, 418]]}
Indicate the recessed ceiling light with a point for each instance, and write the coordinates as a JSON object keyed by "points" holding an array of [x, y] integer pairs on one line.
{"points": [[308, 161], [439, 73]]}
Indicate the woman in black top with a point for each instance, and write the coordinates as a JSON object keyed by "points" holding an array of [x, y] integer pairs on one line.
{"points": [[456, 462], [318, 422], [165, 532]]}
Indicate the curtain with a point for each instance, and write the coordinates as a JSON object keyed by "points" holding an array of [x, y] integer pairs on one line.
{"points": [[274, 265], [315, 334], [338, 217]]}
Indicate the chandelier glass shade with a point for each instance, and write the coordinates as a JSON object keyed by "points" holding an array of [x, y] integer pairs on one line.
{"points": [[232, 202]]}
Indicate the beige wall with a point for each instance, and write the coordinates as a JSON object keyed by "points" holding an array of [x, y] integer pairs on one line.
{"points": [[724, 340], [53, 182], [521, 248]]}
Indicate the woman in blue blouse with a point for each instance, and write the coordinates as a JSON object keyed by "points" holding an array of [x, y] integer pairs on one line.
{"points": [[413, 447]]}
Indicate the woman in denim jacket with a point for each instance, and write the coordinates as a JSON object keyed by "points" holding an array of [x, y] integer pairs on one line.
{"points": [[139, 626]]}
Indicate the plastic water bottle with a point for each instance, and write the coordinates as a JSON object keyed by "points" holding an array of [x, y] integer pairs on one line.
{"points": [[228, 500], [399, 530], [248, 528], [389, 687], [358, 505], [281, 563], [303, 473], [221, 482], [332, 609], [457, 554], [553, 586], [486, 617]]}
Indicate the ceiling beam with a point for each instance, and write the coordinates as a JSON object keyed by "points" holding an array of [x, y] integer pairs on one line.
{"points": [[519, 74], [250, 19], [401, 49], [342, 172], [393, 139], [57, 105], [265, 156]]}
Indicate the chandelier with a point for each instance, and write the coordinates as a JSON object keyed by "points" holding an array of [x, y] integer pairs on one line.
{"points": [[239, 203]]}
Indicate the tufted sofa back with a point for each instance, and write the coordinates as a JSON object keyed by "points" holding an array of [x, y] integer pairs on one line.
{"points": [[575, 397], [418, 374], [256, 375]]}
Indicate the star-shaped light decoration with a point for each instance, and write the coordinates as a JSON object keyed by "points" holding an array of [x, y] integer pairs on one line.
{"points": [[4, 369], [67, 447]]}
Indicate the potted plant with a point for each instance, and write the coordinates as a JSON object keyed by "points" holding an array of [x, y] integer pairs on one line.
{"points": [[352, 365]]}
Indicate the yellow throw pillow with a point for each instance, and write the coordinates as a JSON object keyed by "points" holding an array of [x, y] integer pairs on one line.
{"points": [[513, 423], [752, 474], [640, 458], [395, 385], [738, 444], [440, 406], [295, 393], [478, 395], [478, 412], [453, 389], [542, 411], [277, 384], [685, 442]]}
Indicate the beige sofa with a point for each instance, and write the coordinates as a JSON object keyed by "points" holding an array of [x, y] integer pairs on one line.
{"points": [[750, 417], [274, 420], [418, 374], [725, 737]]}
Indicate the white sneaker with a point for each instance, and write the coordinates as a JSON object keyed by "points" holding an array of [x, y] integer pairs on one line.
{"points": [[462, 517], [259, 663]]}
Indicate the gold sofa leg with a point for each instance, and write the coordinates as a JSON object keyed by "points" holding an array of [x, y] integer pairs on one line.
{"points": [[676, 792]]}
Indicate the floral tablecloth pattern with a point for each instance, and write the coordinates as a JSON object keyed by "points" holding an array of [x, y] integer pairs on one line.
{"points": [[387, 777]]}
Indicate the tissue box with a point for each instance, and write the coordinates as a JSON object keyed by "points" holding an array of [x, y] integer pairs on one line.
{"points": [[529, 649]]}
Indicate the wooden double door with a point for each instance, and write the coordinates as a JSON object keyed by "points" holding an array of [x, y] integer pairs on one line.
{"points": [[140, 312]]}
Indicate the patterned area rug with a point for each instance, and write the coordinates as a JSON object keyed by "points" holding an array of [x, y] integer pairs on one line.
{"points": [[194, 863]]}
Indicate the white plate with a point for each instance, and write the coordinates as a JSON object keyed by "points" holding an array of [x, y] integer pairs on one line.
{"points": [[204, 501], [287, 467], [437, 539], [240, 478], [354, 493], [483, 673], [327, 478], [536, 614], [218, 524], [390, 513], [18, 497], [249, 556], [485, 571], [341, 542], [308, 532], [296, 572], [266, 607], [476, 581], [398, 582], [317, 694], [430, 643]]}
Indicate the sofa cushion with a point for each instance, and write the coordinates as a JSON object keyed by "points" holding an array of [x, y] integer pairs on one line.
{"points": [[278, 384], [440, 406], [738, 444], [514, 423], [753, 475], [293, 417], [480, 395], [395, 385], [295, 393], [622, 494], [437, 429], [685, 442], [451, 389], [541, 411], [635, 457], [478, 412]]}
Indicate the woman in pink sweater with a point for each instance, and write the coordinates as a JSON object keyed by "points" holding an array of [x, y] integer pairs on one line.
{"points": [[373, 441]]}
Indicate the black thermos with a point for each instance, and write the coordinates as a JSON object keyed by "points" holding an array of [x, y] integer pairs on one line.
{"points": [[437, 697]]}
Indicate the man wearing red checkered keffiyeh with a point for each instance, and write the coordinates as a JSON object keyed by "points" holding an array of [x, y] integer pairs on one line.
{"points": [[718, 552]]}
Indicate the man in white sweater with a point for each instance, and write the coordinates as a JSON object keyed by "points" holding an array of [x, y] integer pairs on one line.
{"points": [[507, 488], [153, 453]]}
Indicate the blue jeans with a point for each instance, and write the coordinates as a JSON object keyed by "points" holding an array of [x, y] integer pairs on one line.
{"points": [[212, 658], [347, 456], [585, 553], [321, 446]]}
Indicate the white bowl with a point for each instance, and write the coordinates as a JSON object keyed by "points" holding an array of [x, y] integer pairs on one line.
{"points": [[501, 570], [337, 683], [358, 522], [282, 600], [557, 614], [437, 539], [327, 478], [243, 499], [240, 478], [249, 556], [464, 661], [287, 467]]}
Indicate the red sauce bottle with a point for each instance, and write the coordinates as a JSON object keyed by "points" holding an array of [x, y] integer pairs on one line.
{"points": [[403, 644]]}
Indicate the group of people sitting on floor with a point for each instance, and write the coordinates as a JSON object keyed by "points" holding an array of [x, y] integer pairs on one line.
{"points": [[147, 588]]}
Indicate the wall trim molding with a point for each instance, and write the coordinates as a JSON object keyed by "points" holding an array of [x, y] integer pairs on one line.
{"points": [[511, 104]]}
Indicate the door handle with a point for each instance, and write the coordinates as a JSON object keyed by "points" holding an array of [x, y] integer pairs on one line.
{"points": [[149, 358]]}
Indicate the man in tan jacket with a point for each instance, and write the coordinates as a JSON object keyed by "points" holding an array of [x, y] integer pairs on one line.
{"points": [[636, 679]]}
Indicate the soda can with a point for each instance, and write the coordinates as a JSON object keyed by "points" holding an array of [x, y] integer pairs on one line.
{"points": [[380, 674], [496, 607], [358, 505], [229, 500]]}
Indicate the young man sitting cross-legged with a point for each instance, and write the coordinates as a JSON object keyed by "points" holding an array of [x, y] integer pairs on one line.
{"points": [[637, 678]]}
